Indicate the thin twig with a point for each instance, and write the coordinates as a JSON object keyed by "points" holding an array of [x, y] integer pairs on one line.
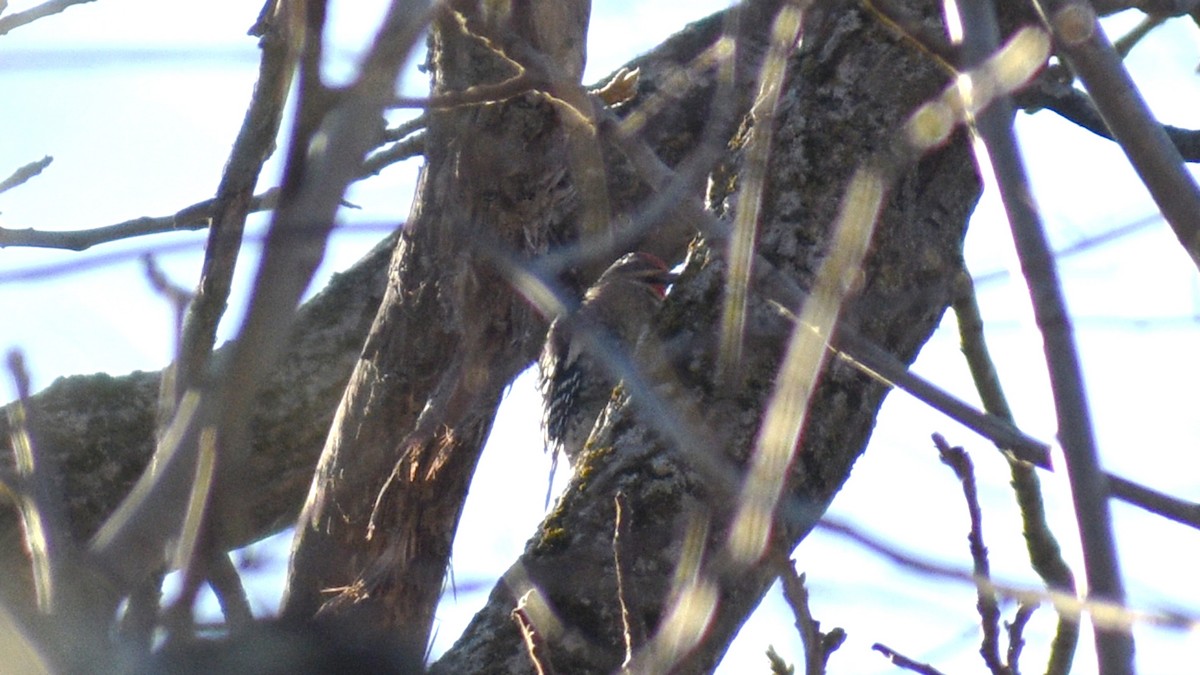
{"points": [[994, 126], [32, 14], [903, 662], [1081, 245], [86, 264], [989, 609], [536, 646], [475, 94], [877, 362], [1043, 549], [23, 174], [280, 37], [405, 129], [177, 296], [194, 217], [818, 646], [1016, 633], [413, 146]]}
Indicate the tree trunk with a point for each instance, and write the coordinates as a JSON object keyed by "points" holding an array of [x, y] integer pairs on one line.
{"points": [[449, 335], [848, 89]]}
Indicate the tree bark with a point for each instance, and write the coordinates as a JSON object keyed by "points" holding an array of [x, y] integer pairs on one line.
{"points": [[451, 333], [448, 336], [99, 429], [849, 88]]}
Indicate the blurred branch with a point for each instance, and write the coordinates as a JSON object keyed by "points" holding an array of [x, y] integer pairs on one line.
{"points": [[61, 579], [777, 286], [1052, 91], [785, 34], [1154, 501], [7, 23], [1081, 245], [39, 502], [1128, 41], [1110, 615], [1081, 41], [1043, 549], [226, 584], [903, 662], [23, 174], [1114, 646]]}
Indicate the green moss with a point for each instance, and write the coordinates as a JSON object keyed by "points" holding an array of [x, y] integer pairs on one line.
{"points": [[553, 540]]}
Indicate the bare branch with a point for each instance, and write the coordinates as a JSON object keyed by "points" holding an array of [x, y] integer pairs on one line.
{"points": [[1043, 549], [1114, 646], [1053, 91], [1016, 631], [818, 646], [989, 610], [903, 662], [280, 37], [1128, 41], [49, 8], [1155, 501], [23, 174], [1081, 40], [194, 217]]}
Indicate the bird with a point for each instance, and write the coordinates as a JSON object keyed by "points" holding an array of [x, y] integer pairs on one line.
{"points": [[574, 383]]}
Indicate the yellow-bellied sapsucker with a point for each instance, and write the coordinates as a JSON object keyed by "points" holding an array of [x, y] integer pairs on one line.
{"points": [[575, 386]]}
